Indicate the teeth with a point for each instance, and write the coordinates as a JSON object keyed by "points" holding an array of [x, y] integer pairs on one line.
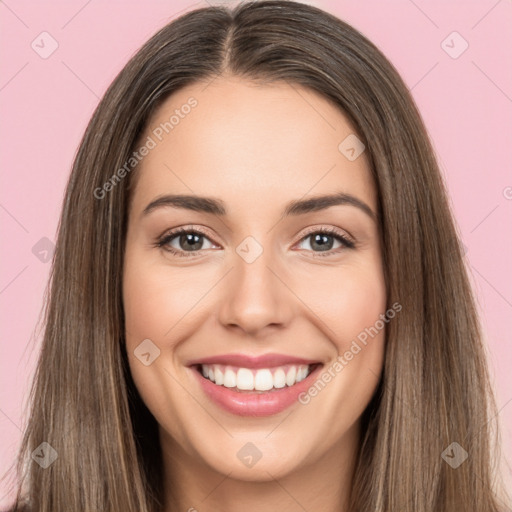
{"points": [[244, 379], [279, 378], [302, 374], [262, 379], [290, 376], [219, 376], [229, 379]]}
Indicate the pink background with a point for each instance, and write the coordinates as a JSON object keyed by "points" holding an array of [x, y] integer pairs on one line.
{"points": [[46, 104]]}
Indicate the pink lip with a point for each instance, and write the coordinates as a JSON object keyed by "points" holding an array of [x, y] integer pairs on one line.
{"points": [[255, 403], [247, 361]]}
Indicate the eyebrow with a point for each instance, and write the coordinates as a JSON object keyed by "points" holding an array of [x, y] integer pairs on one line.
{"points": [[296, 207]]}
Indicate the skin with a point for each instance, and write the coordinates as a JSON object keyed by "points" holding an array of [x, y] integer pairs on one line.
{"points": [[256, 147]]}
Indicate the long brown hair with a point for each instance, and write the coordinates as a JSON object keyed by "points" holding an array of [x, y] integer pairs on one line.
{"points": [[434, 390]]}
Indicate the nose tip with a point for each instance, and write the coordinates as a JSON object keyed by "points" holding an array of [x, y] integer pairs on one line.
{"points": [[254, 298]]}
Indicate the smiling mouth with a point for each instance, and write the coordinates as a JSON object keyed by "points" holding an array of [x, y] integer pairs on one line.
{"points": [[256, 381]]}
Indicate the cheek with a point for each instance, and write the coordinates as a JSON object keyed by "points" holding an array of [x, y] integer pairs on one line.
{"points": [[344, 301], [158, 304], [362, 300], [351, 309], [164, 306], [361, 331], [148, 305]]}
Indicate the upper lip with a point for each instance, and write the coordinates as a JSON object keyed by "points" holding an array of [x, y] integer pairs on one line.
{"points": [[250, 361]]}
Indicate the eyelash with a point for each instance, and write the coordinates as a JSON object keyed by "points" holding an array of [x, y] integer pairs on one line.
{"points": [[164, 240]]}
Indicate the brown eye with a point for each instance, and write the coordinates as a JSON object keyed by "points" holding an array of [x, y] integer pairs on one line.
{"points": [[182, 241], [323, 241]]}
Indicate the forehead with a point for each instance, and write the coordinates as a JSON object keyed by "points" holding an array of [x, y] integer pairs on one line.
{"points": [[248, 143]]}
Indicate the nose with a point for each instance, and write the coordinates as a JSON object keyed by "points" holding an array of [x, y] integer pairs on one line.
{"points": [[256, 297]]}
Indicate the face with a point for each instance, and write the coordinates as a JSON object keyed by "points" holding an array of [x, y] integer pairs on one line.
{"points": [[248, 331]]}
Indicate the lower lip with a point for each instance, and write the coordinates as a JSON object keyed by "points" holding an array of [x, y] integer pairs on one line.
{"points": [[251, 403]]}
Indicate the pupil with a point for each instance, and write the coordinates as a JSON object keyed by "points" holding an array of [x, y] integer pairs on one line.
{"points": [[320, 241], [192, 240]]}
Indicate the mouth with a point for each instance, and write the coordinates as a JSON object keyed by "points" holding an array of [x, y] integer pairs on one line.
{"points": [[256, 381], [246, 386]]}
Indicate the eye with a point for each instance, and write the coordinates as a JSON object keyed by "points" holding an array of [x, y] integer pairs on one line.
{"points": [[323, 239], [187, 240]]}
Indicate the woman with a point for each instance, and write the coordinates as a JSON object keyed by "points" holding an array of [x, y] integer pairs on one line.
{"points": [[209, 350]]}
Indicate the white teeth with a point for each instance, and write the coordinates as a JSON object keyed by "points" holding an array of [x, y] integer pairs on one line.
{"points": [[229, 379], [244, 379], [263, 379], [279, 378], [290, 376], [219, 376], [302, 374]]}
